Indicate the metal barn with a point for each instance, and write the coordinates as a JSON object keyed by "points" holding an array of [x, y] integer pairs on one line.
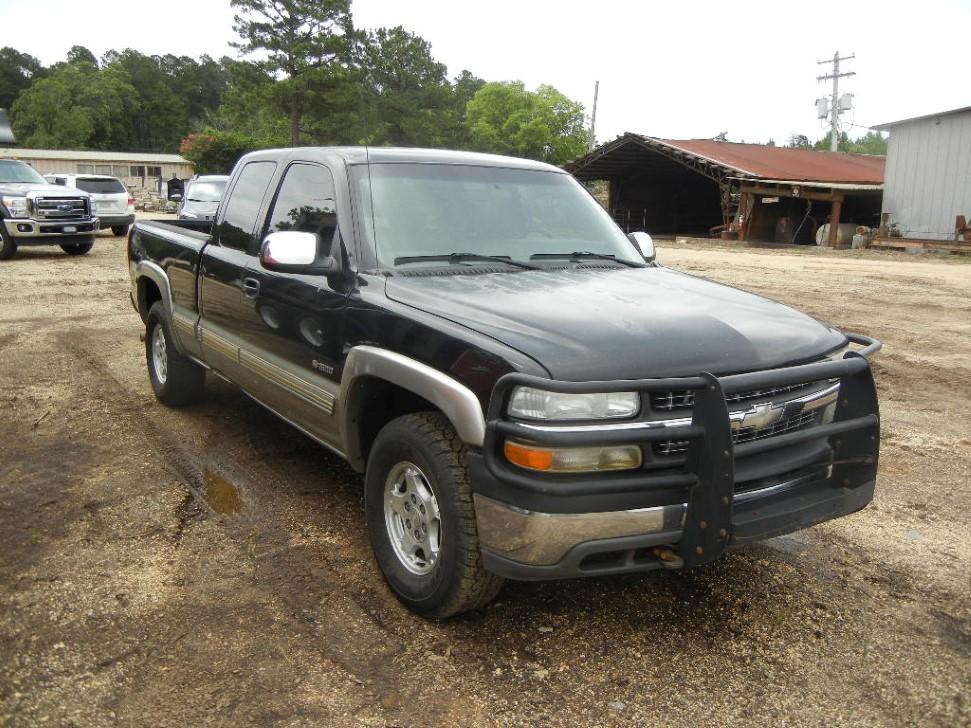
{"points": [[927, 192], [136, 169]]}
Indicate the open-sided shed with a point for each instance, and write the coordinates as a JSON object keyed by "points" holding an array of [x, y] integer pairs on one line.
{"points": [[702, 186]]}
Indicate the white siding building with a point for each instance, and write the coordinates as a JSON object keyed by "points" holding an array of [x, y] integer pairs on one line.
{"points": [[136, 169], [928, 174]]}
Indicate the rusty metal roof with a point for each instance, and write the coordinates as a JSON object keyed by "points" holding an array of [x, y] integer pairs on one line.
{"points": [[755, 161]]}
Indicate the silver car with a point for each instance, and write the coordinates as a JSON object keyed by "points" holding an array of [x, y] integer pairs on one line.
{"points": [[202, 197]]}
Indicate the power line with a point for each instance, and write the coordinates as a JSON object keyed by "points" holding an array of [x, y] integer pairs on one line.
{"points": [[834, 103]]}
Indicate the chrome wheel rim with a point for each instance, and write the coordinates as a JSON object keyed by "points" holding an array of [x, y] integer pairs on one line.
{"points": [[412, 518], [159, 360]]}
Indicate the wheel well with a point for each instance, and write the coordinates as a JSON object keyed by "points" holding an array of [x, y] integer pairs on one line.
{"points": [[148, 294], [374, 403]]}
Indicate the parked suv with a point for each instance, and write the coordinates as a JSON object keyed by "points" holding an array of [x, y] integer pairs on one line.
{"points": [[33, 212], [202, 197], [113, 204]]}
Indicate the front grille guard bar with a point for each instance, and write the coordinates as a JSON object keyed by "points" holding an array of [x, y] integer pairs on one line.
{"points": [[708, 472]]}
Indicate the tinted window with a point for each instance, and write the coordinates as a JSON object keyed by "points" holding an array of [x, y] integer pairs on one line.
{"points": [[206, 190], [239, 220], [306, 203], [100, 186]]}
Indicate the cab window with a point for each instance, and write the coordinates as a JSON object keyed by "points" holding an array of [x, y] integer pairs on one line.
{"points": [[306, 203], [243, 205]]}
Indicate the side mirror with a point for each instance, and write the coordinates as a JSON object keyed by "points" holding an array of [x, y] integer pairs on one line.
{"points": [[644, 244], [291, 251]]}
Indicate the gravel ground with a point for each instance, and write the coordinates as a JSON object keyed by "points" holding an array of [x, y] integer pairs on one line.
{"points": [[210, 566]]}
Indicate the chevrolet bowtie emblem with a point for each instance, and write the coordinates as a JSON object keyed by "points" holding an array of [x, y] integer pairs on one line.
{"points": [[760, 416]]}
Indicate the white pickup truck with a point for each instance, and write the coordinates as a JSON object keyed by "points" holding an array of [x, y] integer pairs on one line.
{"points": [[34, 212]]}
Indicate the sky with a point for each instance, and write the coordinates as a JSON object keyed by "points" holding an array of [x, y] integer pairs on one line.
{"points": [[667, 69]]}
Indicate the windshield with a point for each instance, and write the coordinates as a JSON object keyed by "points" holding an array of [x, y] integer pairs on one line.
{"points": [[437, 209], [20, 173], [100, 185], [208, 191]]}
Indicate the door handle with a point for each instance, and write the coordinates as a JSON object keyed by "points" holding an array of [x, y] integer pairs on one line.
{"points": [[251, 287]]}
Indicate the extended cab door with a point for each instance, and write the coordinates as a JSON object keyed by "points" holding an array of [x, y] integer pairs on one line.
{"points": [[224, 306], [296, 345]]}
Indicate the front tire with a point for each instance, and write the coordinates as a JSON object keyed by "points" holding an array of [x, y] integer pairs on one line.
{"points": [[77, 248], [8, 248], [421, 519], [176, 380], [119, 230]]}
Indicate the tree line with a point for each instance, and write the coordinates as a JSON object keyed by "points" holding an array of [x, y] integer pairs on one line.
{"points": [[306, 75]]}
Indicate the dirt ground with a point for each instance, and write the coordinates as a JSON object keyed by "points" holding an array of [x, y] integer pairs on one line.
{"points": [[210, 566]]}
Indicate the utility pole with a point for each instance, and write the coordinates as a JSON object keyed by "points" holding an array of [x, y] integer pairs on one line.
{"points": [[834, 111], [593, 116]]}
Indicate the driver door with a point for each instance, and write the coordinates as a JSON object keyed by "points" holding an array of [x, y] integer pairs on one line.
{"points": [[297, 341]]}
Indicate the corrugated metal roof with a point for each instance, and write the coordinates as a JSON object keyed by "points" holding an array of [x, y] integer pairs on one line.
{"points": [[731, 159], [79, 156], [759, 160]]}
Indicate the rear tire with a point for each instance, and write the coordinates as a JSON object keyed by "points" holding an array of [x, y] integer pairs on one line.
{"points": [[77, 248], [176, 380], [8, 248], [421, 519], [119, 230]]}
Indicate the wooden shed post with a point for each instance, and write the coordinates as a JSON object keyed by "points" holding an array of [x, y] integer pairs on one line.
{"points": [[834, 221]]}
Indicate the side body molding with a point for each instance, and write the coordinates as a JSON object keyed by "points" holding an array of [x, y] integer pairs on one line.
{"points": [[454, 399]]}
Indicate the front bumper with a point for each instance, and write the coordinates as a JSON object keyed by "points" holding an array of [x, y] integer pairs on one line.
{"points": [[536, 526], [26, 231]]}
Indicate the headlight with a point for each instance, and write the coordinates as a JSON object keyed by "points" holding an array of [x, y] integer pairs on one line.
{"points": [[16, 206], [538, 404], [573, 459], [186, 213]]}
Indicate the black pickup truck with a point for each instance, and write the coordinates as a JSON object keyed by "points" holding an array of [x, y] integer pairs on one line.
{"points": [[528, 394]]}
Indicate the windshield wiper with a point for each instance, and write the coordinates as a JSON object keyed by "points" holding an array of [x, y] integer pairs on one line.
{"points": [[461, 257], [577, 254]]}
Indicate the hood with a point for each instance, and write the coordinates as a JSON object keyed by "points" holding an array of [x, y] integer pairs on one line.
{"points": [[25, 188], [622, 324]]}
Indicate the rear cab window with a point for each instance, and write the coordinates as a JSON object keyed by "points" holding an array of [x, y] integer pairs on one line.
{"points": [[239, 220]]}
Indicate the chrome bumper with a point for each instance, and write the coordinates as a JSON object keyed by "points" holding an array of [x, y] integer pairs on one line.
{"points": [[543, 539], [19, 228]]}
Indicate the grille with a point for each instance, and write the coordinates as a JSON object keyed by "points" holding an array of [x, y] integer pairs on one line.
{"points": [[747, 434], [60, 208], [683, 399]]}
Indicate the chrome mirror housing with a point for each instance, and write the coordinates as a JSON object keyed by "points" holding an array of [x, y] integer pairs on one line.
{"points": [[644, 244], [292, 251]]}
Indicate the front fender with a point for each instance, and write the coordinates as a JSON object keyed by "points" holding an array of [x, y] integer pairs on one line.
{"points": [[456, 401]]}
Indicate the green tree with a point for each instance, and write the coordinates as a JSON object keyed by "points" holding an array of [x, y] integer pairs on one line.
{"points": [[410, 97], [546, 125], [216, 152], [799, 141], [80, 54], [17, 70], [77, 106], [298, 41], [873, 142], [160, 119], [248, 106]]}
